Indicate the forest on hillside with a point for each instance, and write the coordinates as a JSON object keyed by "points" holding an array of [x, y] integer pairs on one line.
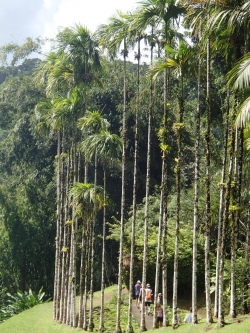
{"points": [[113, 171]]}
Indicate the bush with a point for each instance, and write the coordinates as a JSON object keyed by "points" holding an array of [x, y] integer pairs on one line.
{"points": [[20, 302]]}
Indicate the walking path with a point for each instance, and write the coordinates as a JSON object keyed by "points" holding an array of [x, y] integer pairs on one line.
{"points": [[137, 314]]}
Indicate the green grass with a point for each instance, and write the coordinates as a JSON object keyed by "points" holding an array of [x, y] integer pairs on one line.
{"points": [[39, 320]]}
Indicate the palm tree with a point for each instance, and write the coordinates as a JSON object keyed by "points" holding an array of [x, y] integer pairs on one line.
{"points": [[178, 63], [108, 146], [160, 13], [50, 115], [92, 122], [70, 71], [82, 51], [83, 198], [112, 36], [138, 36]]}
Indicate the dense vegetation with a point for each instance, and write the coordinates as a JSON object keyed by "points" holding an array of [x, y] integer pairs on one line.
{"points": [[113, 171]]}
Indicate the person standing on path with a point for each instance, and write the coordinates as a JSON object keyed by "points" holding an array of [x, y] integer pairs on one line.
{"points": [[159, 311], [137, 293], [148, 299]]}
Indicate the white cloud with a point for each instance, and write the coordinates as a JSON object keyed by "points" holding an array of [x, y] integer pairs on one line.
{"points": [[91, 13], [25, 18]]}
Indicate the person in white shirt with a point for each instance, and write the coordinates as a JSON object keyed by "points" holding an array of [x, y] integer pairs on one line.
{"points": [[188, 318]]}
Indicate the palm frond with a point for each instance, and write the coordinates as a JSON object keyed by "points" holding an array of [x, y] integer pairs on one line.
{"points": [[244, 114]]}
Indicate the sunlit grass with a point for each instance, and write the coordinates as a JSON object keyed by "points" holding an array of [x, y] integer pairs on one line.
{"points": [[39, 319]]}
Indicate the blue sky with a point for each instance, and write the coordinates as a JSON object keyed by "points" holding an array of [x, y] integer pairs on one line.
{"points": [[42, 18]]}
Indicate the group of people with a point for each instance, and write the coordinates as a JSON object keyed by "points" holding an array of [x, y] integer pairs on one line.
{"points": [[148, 295]]}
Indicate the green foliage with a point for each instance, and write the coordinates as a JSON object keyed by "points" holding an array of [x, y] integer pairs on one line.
{"points": [[124, 299], [19, 302]]}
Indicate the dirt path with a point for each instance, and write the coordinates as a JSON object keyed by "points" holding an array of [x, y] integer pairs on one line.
{"points": [[137, 314]]}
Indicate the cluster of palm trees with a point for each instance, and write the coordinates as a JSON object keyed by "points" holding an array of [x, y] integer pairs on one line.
{"points": [[70, 72]]}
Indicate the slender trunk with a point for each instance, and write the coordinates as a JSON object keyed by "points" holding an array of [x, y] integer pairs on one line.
{"points": [[70, 267], [158, 253], [146, 217], [162, 229], [86, 257], [225, 225], [64, 248], [178, 131], [56, 304], [124, 119], [67, 232], [82, 273], [245, 307], [239, 137], [221, 208], [91, 293], [86, 278], [101, 326], [74, 239], [132, 249], [209, 318], [196, 199], [164, 197]]}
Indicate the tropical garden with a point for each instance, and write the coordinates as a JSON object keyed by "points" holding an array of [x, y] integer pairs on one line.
{"points": [[114, 170]]}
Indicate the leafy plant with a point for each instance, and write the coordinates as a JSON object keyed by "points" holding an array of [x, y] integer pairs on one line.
{"points": [[20, 302]]}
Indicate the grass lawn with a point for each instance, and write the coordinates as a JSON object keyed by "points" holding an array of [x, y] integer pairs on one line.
{"points": [[39, 320]]}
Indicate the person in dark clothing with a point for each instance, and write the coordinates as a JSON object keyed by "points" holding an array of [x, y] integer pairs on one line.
{"points": [[137, 293]]}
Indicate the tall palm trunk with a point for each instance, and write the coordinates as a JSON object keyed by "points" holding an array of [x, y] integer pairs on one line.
{"points": [[225, 225], [158, 253], [91, 291], [245, 307], [178, 128], [221, 207], [236, 214], [56, 296], [146, 217], [66, 238], [87, 274], [71, 306], [124, 118], [208, 199], [162, 229], [82, 274], [101, 325], [164, 198], [196, 198], [71, 253], [132, 249], [65, 250]]}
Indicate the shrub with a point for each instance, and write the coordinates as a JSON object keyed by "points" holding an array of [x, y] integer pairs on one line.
{"points": [[20, 302]]}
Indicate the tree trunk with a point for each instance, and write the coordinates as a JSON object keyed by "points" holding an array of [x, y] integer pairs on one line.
{"points": [[236, 191], [178, 128], [196, 199], [101, 325], [225, 225], [164, 204], [92, 259], [65, 250], [132, 250], [124, 118], [221, 208], [56, 296], [146, 217], [209, 318]]}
